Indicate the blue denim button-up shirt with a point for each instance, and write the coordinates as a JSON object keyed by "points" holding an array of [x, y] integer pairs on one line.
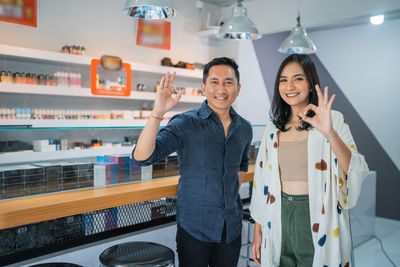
{"points": [[209, 162]]}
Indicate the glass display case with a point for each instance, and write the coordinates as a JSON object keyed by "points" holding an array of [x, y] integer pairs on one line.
{"points": [[90, 160]]}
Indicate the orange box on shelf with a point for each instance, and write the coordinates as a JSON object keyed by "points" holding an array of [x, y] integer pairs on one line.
{"points": [[125, 90]]}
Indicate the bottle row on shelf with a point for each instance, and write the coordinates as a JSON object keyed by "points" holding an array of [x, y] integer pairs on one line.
{"points": [[117, 85], [74, 50], [60, 78], [70, 79], [185, 90], [63, 114]]}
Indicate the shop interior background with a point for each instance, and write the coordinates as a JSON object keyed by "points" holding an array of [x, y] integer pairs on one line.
{"points": [[357, 60]]}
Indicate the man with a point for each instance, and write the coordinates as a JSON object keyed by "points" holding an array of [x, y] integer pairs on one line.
{"points": [[212, 143]]}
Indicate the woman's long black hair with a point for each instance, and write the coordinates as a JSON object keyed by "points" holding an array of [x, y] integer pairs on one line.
{"points": [[281, 113]]}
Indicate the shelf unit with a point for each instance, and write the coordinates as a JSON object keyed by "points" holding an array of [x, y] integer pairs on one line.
{"points": [[72, 124], [29, 54], [55, 60], [83, 92]]}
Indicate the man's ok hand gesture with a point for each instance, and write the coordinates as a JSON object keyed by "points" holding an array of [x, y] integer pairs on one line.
{"points": [[165, 100]]}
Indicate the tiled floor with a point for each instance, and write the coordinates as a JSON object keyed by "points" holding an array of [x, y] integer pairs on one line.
{"points": [[370, 254]]}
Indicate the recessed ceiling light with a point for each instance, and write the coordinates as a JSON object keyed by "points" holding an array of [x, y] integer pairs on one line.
{"points": [[376, 20]]}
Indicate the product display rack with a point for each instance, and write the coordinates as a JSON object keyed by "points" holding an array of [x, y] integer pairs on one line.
{"points": [[72, 124], [35, 55], [32, 96], [83, 92]]}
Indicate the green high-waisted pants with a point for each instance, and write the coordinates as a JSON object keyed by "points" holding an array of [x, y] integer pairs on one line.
{"points": [[297, 246]]}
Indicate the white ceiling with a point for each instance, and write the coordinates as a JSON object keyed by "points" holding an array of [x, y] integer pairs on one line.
{"points": [[280, 15]]}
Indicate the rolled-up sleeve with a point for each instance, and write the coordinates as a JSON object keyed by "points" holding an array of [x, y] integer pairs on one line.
{"points": [[169, 139]]}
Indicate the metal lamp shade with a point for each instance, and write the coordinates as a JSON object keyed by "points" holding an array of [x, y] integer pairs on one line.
{"points": [[150, 9], [239, 27], [298, 42]]}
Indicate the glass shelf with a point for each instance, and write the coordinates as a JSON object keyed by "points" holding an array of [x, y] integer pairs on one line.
{"points": [[79, 124], [2, 128]]}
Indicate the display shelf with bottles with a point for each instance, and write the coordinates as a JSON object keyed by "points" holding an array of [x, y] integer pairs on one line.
{"points": [[70, 124], [68, 76], [83, 92], [50, 57], [39, 108]]}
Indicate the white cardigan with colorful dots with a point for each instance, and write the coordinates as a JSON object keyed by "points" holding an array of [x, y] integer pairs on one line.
{"points": [[331, 194]]}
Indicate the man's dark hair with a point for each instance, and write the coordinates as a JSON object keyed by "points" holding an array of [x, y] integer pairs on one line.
{"points": [[281, 112], [220, 61]]}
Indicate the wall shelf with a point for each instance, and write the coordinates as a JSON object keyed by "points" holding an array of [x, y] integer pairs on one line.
{"points": [[29, 156], [83, 92], [46, 57], [72, 124]]}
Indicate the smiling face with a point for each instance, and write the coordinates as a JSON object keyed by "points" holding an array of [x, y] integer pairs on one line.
{"points": [[221, 88], [294, 88]]}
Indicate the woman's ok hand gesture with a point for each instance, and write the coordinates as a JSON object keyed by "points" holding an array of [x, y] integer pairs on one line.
{"points": [[164, 100], [322, 120]]}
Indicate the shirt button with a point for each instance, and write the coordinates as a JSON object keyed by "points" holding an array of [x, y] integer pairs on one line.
{"points": [[290, 198]]}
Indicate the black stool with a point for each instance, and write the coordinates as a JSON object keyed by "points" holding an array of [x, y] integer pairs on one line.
{"points": [[132, 254], [56, 264]]}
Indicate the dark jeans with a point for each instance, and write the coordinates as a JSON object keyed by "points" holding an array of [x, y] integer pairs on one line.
{"points": [[195, 253]]}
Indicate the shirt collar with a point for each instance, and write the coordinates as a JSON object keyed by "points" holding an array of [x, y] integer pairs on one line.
{"points": [[206, 111]]}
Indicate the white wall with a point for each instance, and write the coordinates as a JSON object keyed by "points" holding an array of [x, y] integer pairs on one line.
{"points": [[100, 26], [364, 61], [277, 16], [253, 102]]}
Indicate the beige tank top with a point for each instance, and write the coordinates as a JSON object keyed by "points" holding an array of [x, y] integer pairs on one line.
{"points": [[293, 161]]}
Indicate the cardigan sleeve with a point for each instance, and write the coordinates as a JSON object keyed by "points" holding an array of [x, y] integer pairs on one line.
{"points": [[349, 185], [257, 204]]}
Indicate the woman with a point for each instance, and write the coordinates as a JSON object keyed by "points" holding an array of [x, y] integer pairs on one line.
{"points": [[308, 174]]}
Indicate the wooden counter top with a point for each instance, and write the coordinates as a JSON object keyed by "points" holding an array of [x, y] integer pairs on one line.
{"points": [[39, 208]]}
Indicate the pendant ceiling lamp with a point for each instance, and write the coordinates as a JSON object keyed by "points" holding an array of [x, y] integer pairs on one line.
{"points": [[298, 41], [150, 9], [239, 27]]}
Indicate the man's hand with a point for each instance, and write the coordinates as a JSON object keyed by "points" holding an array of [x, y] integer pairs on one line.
{"points": [[164, 100]]}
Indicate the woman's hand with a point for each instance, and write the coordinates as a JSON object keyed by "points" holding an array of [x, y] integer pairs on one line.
{"points": [[256, 246], [322, 120], [164, 100]]}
